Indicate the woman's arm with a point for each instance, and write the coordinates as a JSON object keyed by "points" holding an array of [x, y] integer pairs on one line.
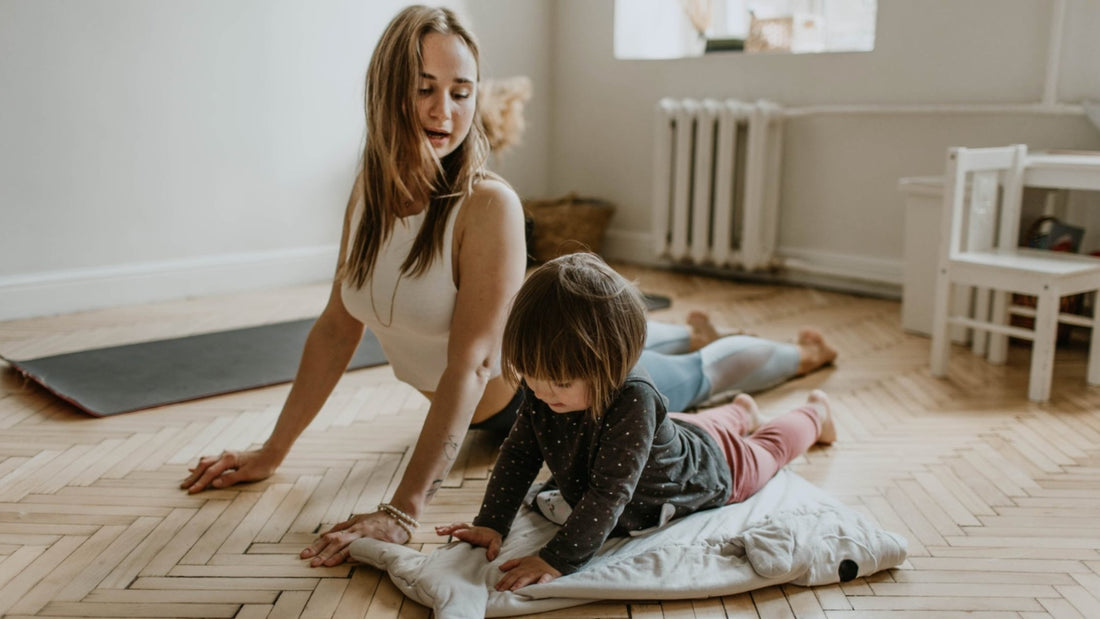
{"points": [[490, 259], [328, 350]]}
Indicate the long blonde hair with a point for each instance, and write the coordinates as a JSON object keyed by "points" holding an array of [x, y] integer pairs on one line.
{"points": [[575, 318], [398, 165]]}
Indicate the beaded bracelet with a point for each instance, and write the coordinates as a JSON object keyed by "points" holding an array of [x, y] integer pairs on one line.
{"points": [[402, 519], [398, 514]]}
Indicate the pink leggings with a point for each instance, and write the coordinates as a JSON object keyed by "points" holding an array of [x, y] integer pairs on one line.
{"points": [[756, 458]]}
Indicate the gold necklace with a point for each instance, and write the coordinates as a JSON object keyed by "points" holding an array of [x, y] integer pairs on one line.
{"points": [[393, 295], [393, 300]]}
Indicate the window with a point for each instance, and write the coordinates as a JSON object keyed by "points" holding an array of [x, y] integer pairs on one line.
{"points": [[685, 28]]}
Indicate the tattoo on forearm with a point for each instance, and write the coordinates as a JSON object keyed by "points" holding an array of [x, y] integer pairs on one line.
{"points": [[450, 452], [436, 485], [450, 448]]}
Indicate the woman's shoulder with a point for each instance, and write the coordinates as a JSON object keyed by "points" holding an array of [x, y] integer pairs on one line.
{"points": [[491, 209], [492, 192]]}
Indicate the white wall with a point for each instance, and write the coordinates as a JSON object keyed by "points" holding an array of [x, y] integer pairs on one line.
{"points": [[840, 208], [514, 36], [154, 150]]}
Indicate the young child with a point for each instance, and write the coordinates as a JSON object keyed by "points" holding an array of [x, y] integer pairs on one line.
{"points": [[620, 461]]}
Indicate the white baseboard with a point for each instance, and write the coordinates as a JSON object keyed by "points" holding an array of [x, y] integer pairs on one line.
{"points": [[854, 274], [61, 292], [830, 264]]}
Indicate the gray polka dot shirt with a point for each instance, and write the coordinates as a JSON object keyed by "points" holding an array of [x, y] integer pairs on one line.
{"points": [[616, 473]]}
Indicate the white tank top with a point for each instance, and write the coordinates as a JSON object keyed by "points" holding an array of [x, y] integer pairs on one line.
{"points": [[411, 316]]}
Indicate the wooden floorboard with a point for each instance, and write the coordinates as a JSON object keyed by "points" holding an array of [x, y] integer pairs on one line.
{"points": [[998, 497]]}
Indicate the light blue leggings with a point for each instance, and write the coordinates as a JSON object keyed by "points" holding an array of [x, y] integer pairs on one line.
{"points": [[732, 363]]}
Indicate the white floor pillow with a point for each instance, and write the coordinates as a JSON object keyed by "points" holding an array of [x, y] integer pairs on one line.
{"points": [[789, 532]]}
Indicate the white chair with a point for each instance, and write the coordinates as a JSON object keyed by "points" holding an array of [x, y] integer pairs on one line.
{"points": [[983, 188]]}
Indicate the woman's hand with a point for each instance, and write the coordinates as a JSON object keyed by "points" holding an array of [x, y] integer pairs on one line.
{"points": [[231, 467], [525, 571], [478, 536], [332, 547]]}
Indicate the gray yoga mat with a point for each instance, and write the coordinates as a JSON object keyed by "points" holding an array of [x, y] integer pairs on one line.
{"points": [[122, 379], [655, 301]]}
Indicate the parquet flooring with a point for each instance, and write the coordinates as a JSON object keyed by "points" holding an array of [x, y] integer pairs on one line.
{"points": [[998, 497]]}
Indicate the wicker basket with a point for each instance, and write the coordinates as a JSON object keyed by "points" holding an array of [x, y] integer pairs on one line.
{"points": [[567, 224]]}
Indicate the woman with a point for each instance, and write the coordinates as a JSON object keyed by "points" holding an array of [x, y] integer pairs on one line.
{"points": [[432, 252]]}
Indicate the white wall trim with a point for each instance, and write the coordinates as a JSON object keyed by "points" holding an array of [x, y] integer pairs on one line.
{"points": [[60, 292], [832, 264], [882, 277]]}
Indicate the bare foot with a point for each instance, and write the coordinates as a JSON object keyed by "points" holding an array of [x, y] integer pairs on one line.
{"points": [[820, 403], [742, 407], [814, 352], [702, 330], [747, 404]]}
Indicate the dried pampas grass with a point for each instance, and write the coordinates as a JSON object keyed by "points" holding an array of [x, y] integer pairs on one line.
{"points": [[501, 110]]}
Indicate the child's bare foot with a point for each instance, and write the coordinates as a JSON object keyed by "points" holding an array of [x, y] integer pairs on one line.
{"points": [[743, 408], [820, 403], [747, 404], [814, 352]]}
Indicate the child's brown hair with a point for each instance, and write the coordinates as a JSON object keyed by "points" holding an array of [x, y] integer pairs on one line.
{"points": [[575, 318]]}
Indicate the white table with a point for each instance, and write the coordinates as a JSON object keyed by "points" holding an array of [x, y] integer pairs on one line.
{"points": [[1063, 170]]}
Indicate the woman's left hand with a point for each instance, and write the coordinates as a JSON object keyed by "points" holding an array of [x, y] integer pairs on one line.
{"points": [[525, 571], [332, 547]]}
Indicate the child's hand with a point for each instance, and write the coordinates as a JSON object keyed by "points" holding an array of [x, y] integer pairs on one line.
{"points": [[525, 571], [478, 536]]}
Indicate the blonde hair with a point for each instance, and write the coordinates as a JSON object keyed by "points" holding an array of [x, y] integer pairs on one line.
{"points": [[398, 165], [575, 318]]}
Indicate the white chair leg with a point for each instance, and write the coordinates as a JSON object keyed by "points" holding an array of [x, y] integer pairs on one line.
{"points": [[1042, 347], [1094, 343], [962, 298], [941, 335], [998, 342], [981, 312]]}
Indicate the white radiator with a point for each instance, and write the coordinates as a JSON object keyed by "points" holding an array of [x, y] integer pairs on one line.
{"points": [[716, 182]]}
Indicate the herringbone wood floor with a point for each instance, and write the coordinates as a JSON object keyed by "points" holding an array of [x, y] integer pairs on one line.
{"points": [[999, 498]]}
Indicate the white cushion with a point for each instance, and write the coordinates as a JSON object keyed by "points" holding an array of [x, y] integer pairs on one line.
{"points": [[789, 532]]}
